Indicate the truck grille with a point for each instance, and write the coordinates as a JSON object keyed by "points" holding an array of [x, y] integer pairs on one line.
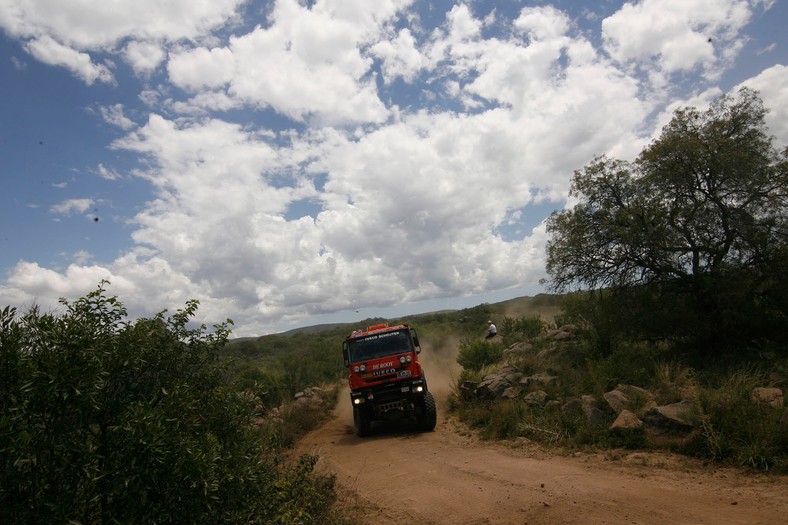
{"points": [[393, 405]]}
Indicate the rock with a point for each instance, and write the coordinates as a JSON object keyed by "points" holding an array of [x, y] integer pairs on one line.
{"points": [[492, 386], [548, 352], [510, 393], [679, 416], [310, 396], [671, 425], [521, 347], [468, 389], [537, 398], [562, 333], [513, 377], [507, 383], [586, 405], [626, 421], [770, 396], [629, 397], [538, 380]]}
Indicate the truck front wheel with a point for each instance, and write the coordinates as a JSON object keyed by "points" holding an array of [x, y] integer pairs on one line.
{"points": [[429, 416], [362, 421]]}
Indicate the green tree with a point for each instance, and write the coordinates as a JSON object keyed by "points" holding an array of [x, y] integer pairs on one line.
{"points": [[697, 224], [105, 420]]}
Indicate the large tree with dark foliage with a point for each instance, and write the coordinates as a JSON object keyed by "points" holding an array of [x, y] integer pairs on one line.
{"points": [[694, 232]]}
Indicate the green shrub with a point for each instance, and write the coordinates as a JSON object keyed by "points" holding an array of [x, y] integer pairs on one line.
{"points": [[475, 354], [739, 430], [523, 327], [108, 420]]}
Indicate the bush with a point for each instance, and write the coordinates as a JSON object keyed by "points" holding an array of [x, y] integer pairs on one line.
{"points": [[107, 420], [524, 327], [739, 430], [475, 354]]}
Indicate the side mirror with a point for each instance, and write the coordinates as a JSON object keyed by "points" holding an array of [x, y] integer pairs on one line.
{"points": [[345, 355], [416, 341]]}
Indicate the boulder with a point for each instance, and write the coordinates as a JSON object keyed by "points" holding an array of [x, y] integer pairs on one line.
{"points": [[626, 421], [588, 406], [492, 386], [629, 397], [510, 393], [679, 416], [671, 425], [506, 383], [468, 389], [538, 380], [521, 347], [538, 398], [310, 396], [563, 333], [770, 396]]}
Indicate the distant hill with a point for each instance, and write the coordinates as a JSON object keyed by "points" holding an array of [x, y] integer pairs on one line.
{"points": [[545, 305]]}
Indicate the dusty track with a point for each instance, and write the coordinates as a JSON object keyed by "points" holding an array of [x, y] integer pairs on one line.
{"points": [[449, 477]]}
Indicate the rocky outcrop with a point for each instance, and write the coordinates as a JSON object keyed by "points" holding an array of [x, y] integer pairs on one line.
{"points": [[510, 383], [313, 395], [627, 409]]}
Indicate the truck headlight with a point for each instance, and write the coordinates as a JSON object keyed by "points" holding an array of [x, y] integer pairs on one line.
{"points": [[358, 401], [419, 388]]}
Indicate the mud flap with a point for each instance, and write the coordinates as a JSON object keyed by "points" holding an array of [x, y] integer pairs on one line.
{"points": [[362, 421]]}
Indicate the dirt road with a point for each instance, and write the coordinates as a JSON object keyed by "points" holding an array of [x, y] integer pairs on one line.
{"points": [[449, 477]]}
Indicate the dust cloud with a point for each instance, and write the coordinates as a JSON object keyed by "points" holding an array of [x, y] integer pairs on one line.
{"points": [[439, 361]]}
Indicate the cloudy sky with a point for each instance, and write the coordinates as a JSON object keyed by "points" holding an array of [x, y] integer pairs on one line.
{"points": [[292, 162]]}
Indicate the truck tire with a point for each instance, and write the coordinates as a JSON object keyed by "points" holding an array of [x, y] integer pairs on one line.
{"points": [[362, 422], [429, 416]]}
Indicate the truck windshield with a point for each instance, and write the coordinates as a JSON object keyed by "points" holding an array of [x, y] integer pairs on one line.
{"points": [[379, 345]]}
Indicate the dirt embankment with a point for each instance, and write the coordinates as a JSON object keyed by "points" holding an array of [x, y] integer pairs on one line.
{"points": [[450, 477]]}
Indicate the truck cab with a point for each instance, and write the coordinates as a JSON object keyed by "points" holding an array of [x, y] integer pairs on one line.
{"points": [[385, 377]]}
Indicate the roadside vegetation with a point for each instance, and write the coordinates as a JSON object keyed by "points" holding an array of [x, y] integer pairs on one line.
{"points": [[106, 420], [673, 275]]}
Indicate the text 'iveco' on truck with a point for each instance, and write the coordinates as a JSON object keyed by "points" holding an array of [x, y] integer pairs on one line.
{"points": [[386, 379]]}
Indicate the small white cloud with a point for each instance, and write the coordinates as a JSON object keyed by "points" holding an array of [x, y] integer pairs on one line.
{"points": [[114, 115], [72, 206], [18, 64], [107, 173], [82, 258], [48, 50]]}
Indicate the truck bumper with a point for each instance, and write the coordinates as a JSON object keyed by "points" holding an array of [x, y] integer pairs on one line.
{"points": [[391, 400]]}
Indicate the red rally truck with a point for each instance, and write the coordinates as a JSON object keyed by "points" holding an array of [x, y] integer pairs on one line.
{"points": [[386, 379]]}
